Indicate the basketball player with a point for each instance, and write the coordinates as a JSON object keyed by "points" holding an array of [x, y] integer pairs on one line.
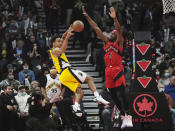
{"points": [[51, 87], [69, 77], [114, 72]]}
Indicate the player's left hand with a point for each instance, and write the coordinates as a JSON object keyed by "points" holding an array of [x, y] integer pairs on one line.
{"points": [[112, 13]]}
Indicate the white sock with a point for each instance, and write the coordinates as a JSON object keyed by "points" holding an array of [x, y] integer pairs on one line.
{"points": [[77, 104], [96, 94]]}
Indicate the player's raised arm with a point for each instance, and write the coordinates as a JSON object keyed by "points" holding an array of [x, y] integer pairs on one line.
{"points": [[60, 45], [120, 39], [64, 35], [94, 26], [65, 42]]}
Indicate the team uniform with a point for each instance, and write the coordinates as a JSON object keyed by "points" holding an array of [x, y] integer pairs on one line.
{"points": [[115, 80], [69, 77], [53, 88], [114, 72]]}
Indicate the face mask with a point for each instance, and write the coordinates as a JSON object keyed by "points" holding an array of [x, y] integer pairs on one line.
{"points": [[26, 67], [166, 74], [157, 73], [22, 93], [11, 77], [158, 50], [154, 67]]}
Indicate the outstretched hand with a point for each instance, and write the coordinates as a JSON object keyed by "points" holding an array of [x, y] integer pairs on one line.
{"points": [[70, 28], [84, 11], [69, 33], [112, 13]]}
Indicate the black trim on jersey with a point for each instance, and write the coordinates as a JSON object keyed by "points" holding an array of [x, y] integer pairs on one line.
{"points": [[114, 49], [118, 75], [60, 63], [61, 66], [107, 49], [74, 75], [63, 60]]}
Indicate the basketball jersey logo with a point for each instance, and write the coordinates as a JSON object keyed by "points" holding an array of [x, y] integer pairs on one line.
{"points": [[79, 73]]}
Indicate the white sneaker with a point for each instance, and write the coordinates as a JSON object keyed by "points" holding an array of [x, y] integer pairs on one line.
{"points": [[77, 111], [124, 122], [129, 121], [101, 100]]}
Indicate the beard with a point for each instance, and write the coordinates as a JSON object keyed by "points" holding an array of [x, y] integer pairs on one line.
{"points": [[113, 39]]}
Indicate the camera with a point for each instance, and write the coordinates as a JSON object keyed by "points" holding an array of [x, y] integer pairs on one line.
{"points": [[35, 98]]}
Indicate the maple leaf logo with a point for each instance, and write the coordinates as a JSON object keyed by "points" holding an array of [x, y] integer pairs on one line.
{"points": [[145, 105]]}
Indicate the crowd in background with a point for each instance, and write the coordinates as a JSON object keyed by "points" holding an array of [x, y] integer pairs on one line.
{"points": [[25, 39]]}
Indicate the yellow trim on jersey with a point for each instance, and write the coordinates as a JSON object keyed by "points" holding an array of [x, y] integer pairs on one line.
{"points": [[56, 61], [68, 80], [53, 84]]}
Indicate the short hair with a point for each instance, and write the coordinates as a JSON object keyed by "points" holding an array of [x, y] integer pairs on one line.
{"points": [[53, 39], [5, 87]]}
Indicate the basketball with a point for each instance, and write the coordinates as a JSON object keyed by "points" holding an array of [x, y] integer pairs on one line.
{"points": [[78, 26]]}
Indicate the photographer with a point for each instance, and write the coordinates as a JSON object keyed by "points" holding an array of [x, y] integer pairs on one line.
{"points": [[39, 113]]}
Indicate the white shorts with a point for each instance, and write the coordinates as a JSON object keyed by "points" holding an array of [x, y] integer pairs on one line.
{"points": [[80, 75]]}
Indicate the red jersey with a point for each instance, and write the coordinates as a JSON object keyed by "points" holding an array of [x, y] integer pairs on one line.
{"points": [[113, 54], [114, 72]]}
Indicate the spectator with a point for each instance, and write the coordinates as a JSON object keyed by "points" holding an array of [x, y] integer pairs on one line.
{"points": [[5, 56], [10, 80], [29, 43], [164, 62], [21, 99], [26, 76], [34, 85], [39, 112], [106, 111], [170, 88], [172, 110], [9, 107], [35, 60], [172, 51], [19, 52], [171, 68], [157, 75], [164, 81], [52, 90]]}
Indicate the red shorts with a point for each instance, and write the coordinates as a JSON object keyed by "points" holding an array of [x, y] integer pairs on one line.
{"points": [[114, 76]]}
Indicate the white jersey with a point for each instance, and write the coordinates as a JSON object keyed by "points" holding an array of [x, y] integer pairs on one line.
{"points": [[53, 88], [65, 64]]}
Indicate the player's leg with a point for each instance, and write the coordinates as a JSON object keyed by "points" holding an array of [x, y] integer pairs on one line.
{"points": [[78, 99], [119, 97], [90, 81], [70, 80]]}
